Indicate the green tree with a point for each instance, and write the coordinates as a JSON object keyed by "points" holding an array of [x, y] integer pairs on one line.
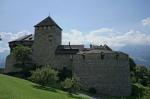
{"points": [[22, 54], [139, 74], [44, 76], [142, 75], [23, 60]]}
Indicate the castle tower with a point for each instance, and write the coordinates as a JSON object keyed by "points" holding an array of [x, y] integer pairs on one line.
{"points": [[47, 38]]}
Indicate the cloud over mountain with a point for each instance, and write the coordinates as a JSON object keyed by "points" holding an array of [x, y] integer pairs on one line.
{"points": [[9, 36], [109, 36]]}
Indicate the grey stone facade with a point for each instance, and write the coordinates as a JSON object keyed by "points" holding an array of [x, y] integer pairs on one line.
{"points": [[109, 76], [96, 67]]}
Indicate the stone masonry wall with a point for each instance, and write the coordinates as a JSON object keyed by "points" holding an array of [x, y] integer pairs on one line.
{"points": [[45, 43], [10, 61], [109, 76], [62, 61]]}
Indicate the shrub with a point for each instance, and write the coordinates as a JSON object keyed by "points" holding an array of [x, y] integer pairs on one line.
{"points": [[44, 76], [92, 90], [70, 84], [138, 90], [142, 75]]}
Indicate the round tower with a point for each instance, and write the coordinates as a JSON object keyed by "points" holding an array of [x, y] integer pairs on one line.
{"points": [[46, 39]]}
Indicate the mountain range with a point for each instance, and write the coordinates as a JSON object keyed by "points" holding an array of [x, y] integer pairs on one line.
{"points": [[140, 53]]}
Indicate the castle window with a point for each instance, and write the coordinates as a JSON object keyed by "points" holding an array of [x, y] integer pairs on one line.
{"points": [[49, 27], [102, 55], [83, 56], [71, 57], [30, 38], [117, 56], [46, 27], [50, 38]]}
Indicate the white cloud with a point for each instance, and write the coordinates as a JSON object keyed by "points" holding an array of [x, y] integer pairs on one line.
{"points": [[8, 36], [103, 30], [111, 37], [146, 22], [100, 36]]}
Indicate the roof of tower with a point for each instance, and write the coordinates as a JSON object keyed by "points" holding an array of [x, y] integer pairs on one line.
{"points": [[47, 22]]}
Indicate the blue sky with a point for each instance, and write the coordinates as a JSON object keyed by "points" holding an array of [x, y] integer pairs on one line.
{"points": [[85, 15], [97, 20]]}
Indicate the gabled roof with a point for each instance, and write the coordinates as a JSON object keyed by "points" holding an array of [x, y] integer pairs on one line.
{"points": [[69, 49], [25, 38], [101, 47], [47, 22], [80, 47]]}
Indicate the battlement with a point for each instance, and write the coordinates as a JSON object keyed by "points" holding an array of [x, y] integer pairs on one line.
{"points": [[104, 56]]}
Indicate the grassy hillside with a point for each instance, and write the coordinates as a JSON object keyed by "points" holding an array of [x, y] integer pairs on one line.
{"points": [[15, 88]]}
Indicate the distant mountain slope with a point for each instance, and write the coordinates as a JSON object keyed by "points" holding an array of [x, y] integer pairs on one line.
{"points": [[140, 53]]}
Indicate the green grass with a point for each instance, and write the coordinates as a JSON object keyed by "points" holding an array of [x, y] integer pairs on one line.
{"points": [[15, 88]]}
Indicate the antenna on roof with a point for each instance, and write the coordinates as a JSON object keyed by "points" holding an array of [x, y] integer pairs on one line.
{"points": [[70, 45]]}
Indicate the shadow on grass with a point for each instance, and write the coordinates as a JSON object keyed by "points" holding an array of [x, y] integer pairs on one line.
{"points": [[44, 88], [54, 90]]}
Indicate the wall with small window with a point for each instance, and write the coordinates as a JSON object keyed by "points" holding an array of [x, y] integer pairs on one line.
{"points": [[107, 72]]}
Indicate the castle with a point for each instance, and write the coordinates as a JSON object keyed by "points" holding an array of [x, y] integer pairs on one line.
{"points": [[97, 67]]}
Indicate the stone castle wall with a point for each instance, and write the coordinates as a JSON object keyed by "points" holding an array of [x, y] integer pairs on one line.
{"points": [[10, 62], [62, 61], [45, 43], [109, 76]]}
